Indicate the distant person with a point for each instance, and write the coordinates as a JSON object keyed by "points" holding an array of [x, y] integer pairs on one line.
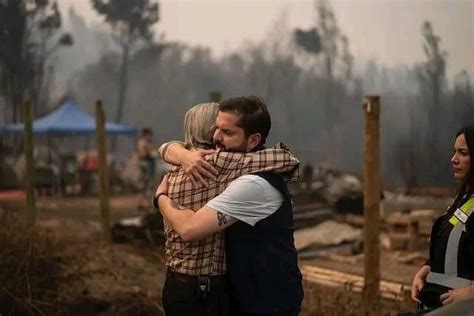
{"points": [[147, 167], [89, 165], [448, 276]]}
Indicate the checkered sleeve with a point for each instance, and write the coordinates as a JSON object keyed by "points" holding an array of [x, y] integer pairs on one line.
{"points": [[278, 159], [163, 150]]}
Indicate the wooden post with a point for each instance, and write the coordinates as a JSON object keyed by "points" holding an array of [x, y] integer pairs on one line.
{"points": [[103, 171], [371, 293], [215, 96], [29, 163]]}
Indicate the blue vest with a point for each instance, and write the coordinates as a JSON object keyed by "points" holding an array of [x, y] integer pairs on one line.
{"points": [[262, 261]]}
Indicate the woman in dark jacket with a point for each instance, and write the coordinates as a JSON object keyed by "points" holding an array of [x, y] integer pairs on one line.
{"points": [[448, 276]]}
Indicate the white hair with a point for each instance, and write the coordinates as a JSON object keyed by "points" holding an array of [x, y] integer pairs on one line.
{"points": [[199, 124]]}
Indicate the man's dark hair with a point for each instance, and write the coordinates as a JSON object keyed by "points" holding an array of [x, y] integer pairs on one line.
{"points": [[146, 131], [254, 116]]}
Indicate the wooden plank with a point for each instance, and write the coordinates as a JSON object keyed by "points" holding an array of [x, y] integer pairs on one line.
{"points": [[387, 289]]}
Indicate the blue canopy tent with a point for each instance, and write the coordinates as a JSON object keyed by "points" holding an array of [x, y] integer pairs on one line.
{"points": [[66, 121], [69, 120]]}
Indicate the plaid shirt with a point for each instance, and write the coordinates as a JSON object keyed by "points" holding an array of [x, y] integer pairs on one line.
{"points": [[207, 256]]}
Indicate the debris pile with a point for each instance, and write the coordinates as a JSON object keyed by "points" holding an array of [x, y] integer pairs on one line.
{"points": [[409, 230], [341, 191], [328, 233], [147, 227]]}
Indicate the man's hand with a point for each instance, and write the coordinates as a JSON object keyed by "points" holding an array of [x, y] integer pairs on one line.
{"points": [[198, 169], [455, 295], [418, 282]]}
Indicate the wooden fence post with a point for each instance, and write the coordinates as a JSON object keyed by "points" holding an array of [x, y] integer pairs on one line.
{"points": [[371, 292], [29, 163], [103, 171], [215, 96]]}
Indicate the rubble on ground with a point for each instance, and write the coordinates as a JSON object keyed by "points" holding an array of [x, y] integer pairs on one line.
{"points": [[339, 190], [147, 227], [328, 233]]}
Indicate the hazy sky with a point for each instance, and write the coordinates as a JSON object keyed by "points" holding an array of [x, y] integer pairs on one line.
{"points": [[386, 30]]}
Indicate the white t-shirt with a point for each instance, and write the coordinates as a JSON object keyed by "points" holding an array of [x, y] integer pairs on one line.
{"points": [[249, 199]]}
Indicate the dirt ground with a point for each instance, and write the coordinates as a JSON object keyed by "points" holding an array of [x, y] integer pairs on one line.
{"points": [[109, 279], [127, 279]]}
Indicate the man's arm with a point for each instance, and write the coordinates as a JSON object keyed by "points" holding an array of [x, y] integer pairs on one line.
{"points": [[192, 226], [192, 161], [248, 199]]}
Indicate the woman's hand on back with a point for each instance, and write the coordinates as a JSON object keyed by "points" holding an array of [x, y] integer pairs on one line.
{"points": [[197, 168]]}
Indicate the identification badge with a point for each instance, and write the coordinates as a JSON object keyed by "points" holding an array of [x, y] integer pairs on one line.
{"points": [[461, 216]]}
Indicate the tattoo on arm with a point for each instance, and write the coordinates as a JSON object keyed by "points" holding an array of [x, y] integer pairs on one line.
{"points": [[222, 219]]}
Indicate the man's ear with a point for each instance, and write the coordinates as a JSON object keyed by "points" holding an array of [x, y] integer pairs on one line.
{"points": [[253, 141]]}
